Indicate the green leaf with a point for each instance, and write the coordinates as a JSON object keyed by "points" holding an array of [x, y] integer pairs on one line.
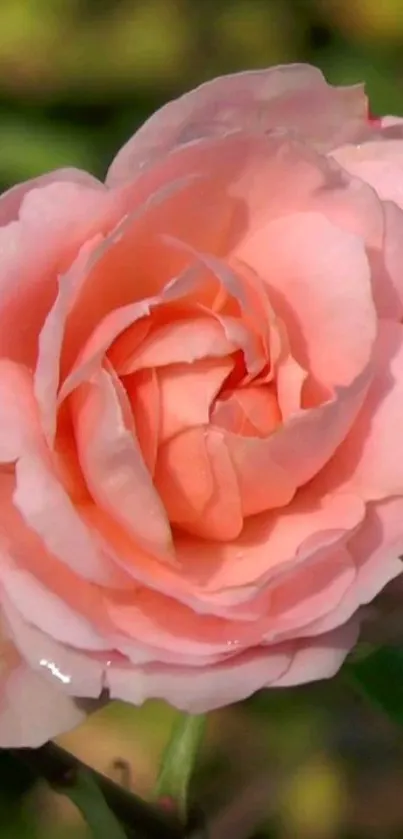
{"points": [[379, 675], [178, 761], [86, 795]]}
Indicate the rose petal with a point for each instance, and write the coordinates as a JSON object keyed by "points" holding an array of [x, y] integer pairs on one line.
{"points": [[112, 463], [32, 711], [366, 462], [269, 543], [198, 690], [320, 658], [18, 414], [328, 310], [295, 96], [31, 262], [205, 499]]}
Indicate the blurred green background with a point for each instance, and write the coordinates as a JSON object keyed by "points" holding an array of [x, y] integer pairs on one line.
{"points": [[76, 79]]}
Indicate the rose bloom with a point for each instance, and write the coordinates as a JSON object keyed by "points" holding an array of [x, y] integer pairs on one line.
{"points": [[201, 403]]}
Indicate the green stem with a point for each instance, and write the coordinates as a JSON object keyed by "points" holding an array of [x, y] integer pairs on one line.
{"points": [[62, 771]]}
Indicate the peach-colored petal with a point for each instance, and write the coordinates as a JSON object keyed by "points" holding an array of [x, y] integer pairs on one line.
{"points": [[269, 471], [136, 253], [367, 462], [290, 381], [187, 392], [204, 499], [269, 543], [319, 281], [21, 547], [46, 508], [112, 463], [249, 411], [119, 320], [144, 396], [283, 610], [295, 97], [45, 610], [187, 340], [18, 414]]}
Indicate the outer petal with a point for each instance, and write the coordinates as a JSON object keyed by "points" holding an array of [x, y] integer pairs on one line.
{"points": [[378, 163], [369, 463], [18, 413], [199, 691], [320, 658], [45, 506], [295, 97], [10, 201], [33, 711], [75, 673], [53, 222], [269, 544]]}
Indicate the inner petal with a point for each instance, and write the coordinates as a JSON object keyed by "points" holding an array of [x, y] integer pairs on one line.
{"points": [[112, 462], [249, 411], [187, 392]]}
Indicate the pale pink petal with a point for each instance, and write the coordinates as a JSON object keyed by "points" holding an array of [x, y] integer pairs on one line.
{"points": [[320, 286], [32, 710], [270, 543], [178, 205], [43, 609], [377, 547], [294, 96], [198, 690], [112, 463], [31, 261], [320, 658], [378, 163], [10, 201], [21, 547], [368, 462], [45, 507], [116, 322], [281, 611], [74, 672], [18, 414], [47, 372], [309, 591]]}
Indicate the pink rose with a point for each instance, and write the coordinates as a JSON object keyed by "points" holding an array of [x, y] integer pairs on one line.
{"points": [[201, 401]]}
